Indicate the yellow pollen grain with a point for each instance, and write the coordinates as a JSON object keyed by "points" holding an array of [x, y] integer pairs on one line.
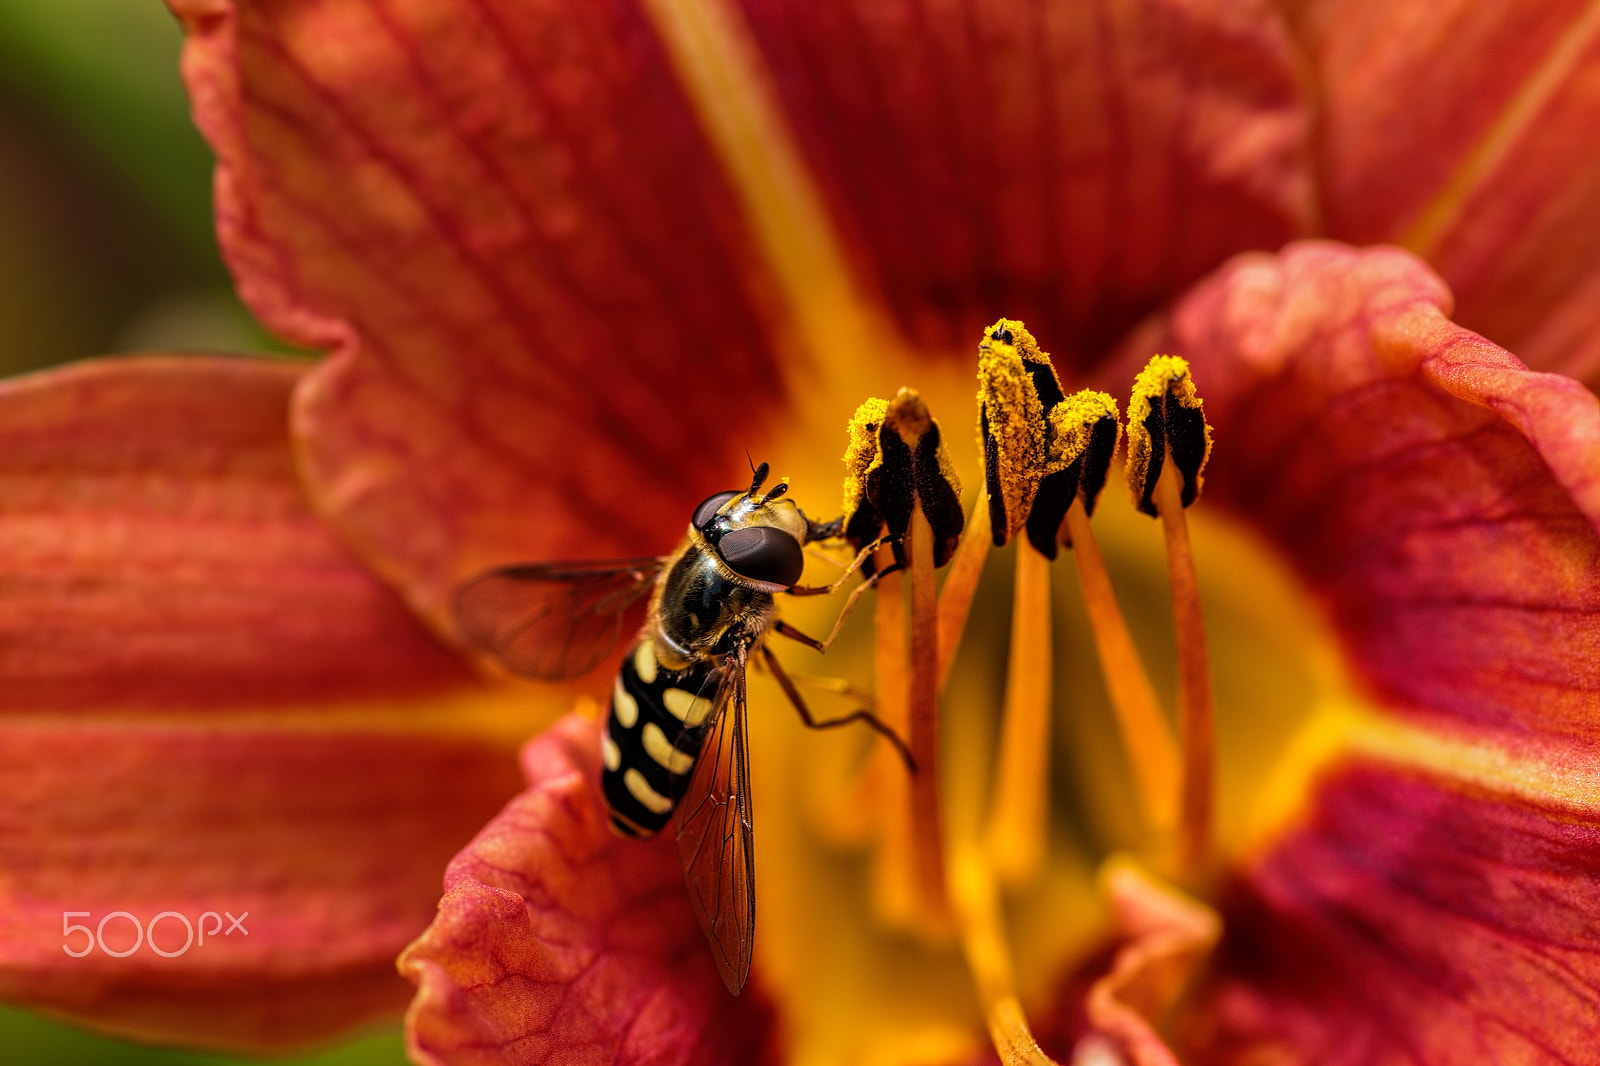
{"points": [[644, 662], [640, 789], [1072, 424], [659, 748], [861, 453], [1016, 416], [623, 705], [1165, 376], [610, 754]]}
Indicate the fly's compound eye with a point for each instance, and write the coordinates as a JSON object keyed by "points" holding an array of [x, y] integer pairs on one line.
{"points": [[1003, 336], [709, 507], [762, 553]]}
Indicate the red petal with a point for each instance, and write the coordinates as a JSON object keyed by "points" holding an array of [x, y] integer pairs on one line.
{"points": [[158, 551], [1464, 131], [505, 221], [1442, 499], [1074, 165], [557, 941], [1409, 922], [204, 706], [1435, 907]]}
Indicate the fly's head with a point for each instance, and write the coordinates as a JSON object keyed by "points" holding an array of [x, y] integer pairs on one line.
{"points": [[757, 535]]}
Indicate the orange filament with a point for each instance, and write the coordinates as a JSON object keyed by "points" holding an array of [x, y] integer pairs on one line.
{"points": [[1017, 829], [893, 882], [1146, 736], [983, 942], [1195, 708], [960, 585], [923, 698]]}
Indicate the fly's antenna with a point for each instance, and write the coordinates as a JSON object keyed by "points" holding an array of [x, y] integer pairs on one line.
{"points": [[756, 481], [777, 490], [749, 460]]}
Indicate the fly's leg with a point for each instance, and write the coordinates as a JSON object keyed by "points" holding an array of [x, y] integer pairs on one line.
{"points": [[849, 605], [838, 686], [871, 720], [861, 557]]}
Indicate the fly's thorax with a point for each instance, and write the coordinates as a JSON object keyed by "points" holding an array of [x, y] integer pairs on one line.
{"points": [[702, 607], [745, 511]]}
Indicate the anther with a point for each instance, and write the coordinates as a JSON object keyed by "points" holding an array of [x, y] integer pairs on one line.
{"points": [[1017, 388], [1166, 423], [1168, 445]]}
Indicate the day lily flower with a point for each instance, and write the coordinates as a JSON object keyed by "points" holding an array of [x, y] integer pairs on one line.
{"points": [[569, 263]]}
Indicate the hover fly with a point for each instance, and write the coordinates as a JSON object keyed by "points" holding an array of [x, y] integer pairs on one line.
{"points": [[675, 740]]}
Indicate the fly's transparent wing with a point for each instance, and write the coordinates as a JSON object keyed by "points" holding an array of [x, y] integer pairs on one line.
{"points": [[714, 835], [557, 620]]}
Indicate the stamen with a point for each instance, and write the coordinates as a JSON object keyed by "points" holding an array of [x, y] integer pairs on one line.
{"points": [[1085, 430], [1018, 392], [983, 941], [1168, 445], [900, 479]]}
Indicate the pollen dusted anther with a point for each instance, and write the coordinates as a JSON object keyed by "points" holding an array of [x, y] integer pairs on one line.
{"points": [[1166, 420], [895, 462], [1017, 389]]}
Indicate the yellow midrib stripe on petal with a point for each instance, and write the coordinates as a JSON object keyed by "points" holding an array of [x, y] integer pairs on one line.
{"points": [[1442, 212], [718, 63], [500, 715], [1343, 729]]}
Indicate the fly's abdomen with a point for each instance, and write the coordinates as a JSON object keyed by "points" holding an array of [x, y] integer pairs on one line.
{"points": [[654, 733]]}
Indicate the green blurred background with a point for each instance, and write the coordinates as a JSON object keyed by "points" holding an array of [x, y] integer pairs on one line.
{"points": [[106, 246], [105, 218]]}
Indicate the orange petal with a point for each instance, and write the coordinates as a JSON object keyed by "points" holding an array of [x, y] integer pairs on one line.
{"points": [[1462, 130], [550, 331], [207, 706], [558, 941], [1072, 165], [1442, 499]]}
